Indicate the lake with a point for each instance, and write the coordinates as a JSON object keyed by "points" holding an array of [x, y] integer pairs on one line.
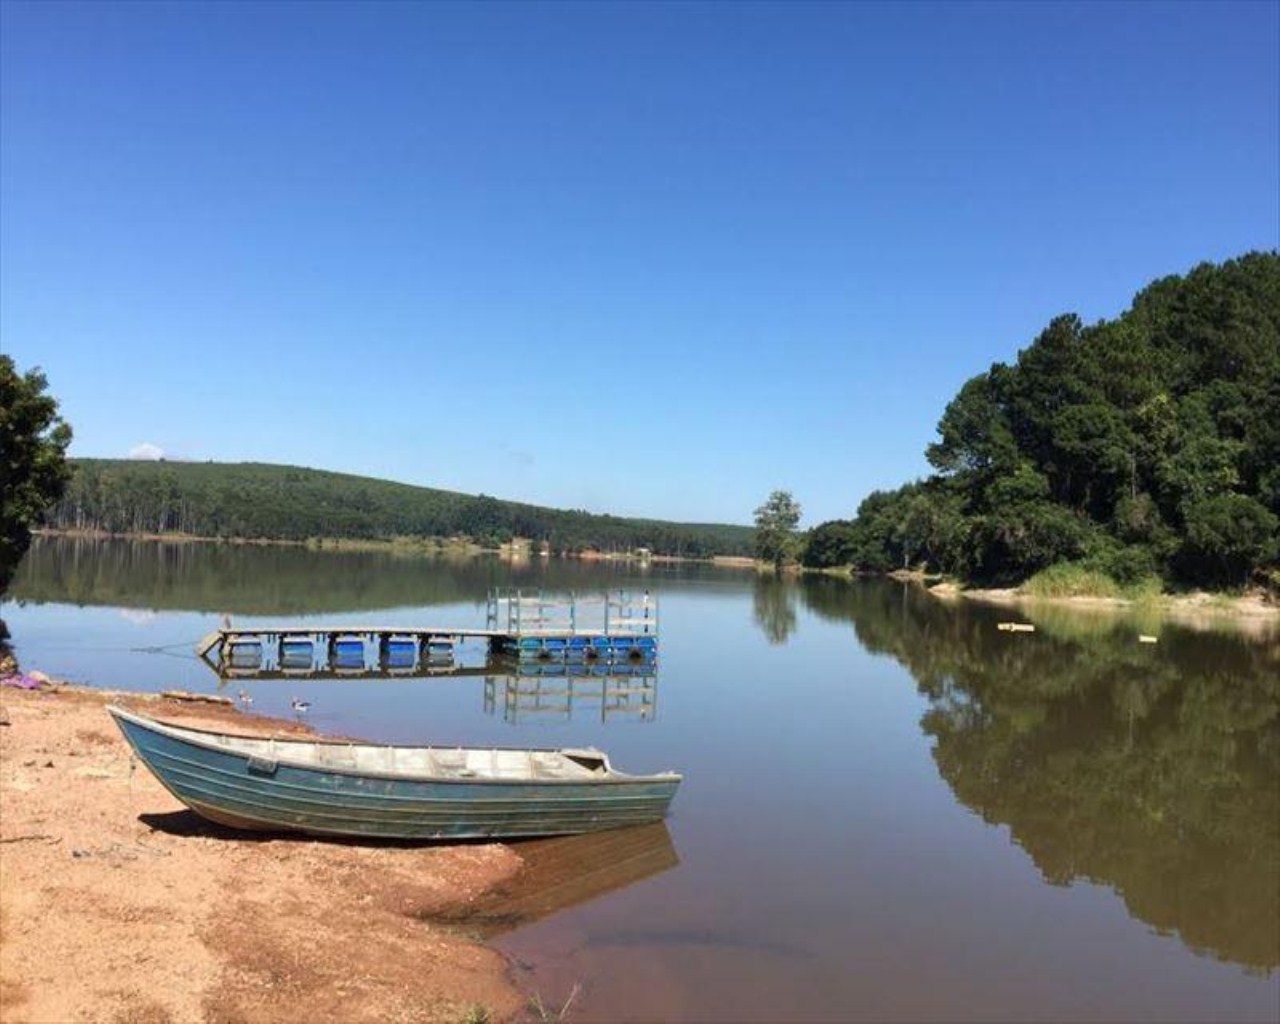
{"points": [[892, 810]]}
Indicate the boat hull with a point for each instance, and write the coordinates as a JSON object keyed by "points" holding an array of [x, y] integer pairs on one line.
{"points": [[234, 789]]}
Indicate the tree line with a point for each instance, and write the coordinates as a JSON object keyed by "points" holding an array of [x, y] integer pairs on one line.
{"points": [[1144, 448], [252, 500]]}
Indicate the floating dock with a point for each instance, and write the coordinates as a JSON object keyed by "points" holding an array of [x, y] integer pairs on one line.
{"points": [[527, 625]]}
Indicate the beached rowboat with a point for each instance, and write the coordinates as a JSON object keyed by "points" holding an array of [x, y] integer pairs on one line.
{"points": [[336, 788]]}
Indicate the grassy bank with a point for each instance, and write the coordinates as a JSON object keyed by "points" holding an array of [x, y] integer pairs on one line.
{"points": [[1072, 587], [1069, 579]]}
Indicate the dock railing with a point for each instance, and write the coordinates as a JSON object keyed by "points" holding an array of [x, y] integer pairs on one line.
{"points": [[518, 612]]}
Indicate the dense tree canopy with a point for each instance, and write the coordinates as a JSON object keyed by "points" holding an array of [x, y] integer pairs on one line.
{"points": [[218, 499], [1148, 444], [33, 469]]}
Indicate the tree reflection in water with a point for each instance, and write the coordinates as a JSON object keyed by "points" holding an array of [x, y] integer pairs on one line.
{"points": [[774, 603], [1154, 770]]}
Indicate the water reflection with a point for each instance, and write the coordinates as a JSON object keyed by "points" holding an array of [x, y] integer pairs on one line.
{"points": [[519, 692], [554, 692], [1153, 770], [279, 580], [774, 605], [567, 871]]}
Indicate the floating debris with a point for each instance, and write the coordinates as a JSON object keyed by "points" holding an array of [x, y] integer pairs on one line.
{"points": [[196, 698], [1144, 638], [1015, 627]]}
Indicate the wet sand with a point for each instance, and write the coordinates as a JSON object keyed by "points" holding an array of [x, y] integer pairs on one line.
{"points": [[118, 905]]}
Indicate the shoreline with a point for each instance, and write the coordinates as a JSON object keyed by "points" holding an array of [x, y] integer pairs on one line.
{"points": [[1200, 608], [1197, 605], [120, 904], [415, 546]]}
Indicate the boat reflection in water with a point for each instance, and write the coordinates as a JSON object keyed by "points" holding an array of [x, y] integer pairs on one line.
{"points": [[566, 871]]}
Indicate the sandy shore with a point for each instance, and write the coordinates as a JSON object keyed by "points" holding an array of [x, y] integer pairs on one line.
{"points": [[118, 905], [1249, 613]]}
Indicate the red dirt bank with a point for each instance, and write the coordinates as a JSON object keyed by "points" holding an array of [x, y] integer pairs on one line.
{"points": [[118, 905]]}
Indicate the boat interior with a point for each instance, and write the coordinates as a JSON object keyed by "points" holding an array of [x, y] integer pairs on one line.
{"points": [[414, 762]]}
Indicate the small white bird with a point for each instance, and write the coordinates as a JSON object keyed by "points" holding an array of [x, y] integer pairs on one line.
{"points": [[245, 698], [300, 707]]}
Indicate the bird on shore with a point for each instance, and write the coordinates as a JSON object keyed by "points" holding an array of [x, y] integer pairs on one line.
{"points": [[245, 699], [300, 707]]}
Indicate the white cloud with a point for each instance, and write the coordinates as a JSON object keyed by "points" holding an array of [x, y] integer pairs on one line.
{"points": [[148, 451]]}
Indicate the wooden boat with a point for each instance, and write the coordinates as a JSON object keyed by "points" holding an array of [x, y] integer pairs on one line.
{"points": [[326, 787]]}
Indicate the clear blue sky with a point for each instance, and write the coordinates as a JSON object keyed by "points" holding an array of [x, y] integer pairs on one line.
{"points": [[651, 259]]}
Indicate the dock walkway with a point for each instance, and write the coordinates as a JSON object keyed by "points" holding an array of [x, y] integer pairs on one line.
{"points": [[518, 623]]}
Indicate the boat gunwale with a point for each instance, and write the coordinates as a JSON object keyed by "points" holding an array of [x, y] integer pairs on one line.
{"points": [[182, 734]]}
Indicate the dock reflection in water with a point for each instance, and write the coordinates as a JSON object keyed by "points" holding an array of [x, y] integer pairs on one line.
{"points": [[624, 690], [522, 691], [567, 871]]}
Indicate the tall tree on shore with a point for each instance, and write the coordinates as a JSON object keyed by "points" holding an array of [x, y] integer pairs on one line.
{"points": [[776, 522], [1144, 446], [33, 465]]}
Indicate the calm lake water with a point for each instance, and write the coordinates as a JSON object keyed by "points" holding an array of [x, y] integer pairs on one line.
{"points": [[891, 810]]}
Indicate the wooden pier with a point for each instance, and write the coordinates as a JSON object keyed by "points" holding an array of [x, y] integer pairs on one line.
{"points": [[525, 625]]}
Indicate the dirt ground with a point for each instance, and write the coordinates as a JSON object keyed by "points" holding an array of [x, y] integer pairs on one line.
{"points": [[118, 905]]}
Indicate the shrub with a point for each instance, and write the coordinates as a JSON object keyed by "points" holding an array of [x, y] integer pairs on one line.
{"points": [[1071, 579]]}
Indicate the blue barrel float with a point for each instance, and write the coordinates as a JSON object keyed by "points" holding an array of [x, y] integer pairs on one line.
{"points": [[399, 652], [297, 652], [244, 653], [438, 650], [346, 652]]}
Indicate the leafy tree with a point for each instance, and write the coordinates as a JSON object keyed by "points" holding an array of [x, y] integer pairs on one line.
{"points": [[976, 437], [1151, 441], [831, 545], [874, 531], [33, 444], [1226, 536], [776, 522]]}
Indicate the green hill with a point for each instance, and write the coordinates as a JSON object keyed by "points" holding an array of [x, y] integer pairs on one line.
{"points": [[248, 499], [1132, 449]]}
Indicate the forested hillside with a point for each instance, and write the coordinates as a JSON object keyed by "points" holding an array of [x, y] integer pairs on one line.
{"points": [[1138, 448], [212, 499]]}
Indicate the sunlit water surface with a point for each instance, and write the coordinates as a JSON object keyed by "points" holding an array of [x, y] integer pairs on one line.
{"points": [[892, 810]]}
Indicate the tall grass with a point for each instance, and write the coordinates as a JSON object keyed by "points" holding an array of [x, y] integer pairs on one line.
{"points": [[1071, 579]]}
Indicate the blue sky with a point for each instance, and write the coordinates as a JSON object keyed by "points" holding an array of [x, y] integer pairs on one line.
{"points": [[652, 259]]}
